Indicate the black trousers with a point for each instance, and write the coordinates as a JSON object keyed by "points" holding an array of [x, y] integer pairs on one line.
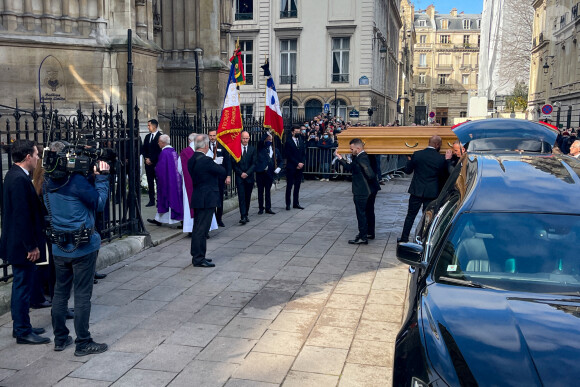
{"points": [[150, 172], [360, 205], [77, 274], [264, 182], [293, 179], [415, 203], [219, 211], [370, 213], [23, 277], [201, 223], [244, 195]]}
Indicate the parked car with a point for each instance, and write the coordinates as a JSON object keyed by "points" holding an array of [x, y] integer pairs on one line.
{"points": [[494, 298]]}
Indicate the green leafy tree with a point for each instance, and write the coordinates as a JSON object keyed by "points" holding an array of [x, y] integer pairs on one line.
{"points": [[519, 98]]}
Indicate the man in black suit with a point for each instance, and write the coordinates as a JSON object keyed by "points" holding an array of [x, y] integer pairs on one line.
{"points": [[22, 242], [364, 190], [150, 152], [205, 175], [244, 170], [430, 170], [295, 154], [269, 160], [219, 151]]}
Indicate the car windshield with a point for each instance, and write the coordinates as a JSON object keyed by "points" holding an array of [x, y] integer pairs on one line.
{"points": [[515, 251]]}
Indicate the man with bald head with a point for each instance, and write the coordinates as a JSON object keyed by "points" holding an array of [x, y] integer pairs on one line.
{"points": [[430, 172], [244, 170]]}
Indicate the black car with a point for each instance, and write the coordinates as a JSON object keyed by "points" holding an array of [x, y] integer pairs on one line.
{"points": [[495, 294]]}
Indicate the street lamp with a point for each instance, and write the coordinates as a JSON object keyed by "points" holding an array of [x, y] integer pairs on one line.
{"points": [[546, 66], [198, 94]]}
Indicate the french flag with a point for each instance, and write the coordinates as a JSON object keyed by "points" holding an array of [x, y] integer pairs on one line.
{"points": [[273, 114]]}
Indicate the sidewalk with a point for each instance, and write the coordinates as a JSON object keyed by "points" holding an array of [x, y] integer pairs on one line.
{"points": [[289, 302]]}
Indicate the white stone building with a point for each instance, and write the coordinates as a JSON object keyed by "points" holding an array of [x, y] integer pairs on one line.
{"points": [[346, 48]]}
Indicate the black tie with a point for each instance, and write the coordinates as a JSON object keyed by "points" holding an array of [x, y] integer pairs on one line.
{"points": [[244, 153]]}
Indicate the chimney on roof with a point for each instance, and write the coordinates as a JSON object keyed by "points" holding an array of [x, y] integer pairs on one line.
{"points": [[454, 12], [430, 11]]}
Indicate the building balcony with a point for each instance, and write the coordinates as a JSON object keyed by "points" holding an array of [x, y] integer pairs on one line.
{"points": [[444, 67], [423, 45], [285, 79], [443, 87], [244, 16], [288, 14], [339, 78]]}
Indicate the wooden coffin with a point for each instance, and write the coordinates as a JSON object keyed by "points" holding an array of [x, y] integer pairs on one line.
{"points": [[396, 139]]}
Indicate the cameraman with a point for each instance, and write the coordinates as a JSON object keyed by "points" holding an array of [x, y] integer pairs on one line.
{"points": [[72, 203]]}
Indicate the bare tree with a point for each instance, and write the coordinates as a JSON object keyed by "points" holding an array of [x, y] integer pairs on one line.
{"points": [[516, 43]]}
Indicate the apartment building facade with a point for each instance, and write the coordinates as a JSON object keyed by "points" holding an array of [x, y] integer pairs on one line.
{"points": [[446, 56], [338, 54]]}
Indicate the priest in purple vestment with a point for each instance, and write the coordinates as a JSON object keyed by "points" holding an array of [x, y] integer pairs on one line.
{"points": [[169, 190]]}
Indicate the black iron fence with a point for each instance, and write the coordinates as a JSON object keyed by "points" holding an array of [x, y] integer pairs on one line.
{"points": [[108, 128]]}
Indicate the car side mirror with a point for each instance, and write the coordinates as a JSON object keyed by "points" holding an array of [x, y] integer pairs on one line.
{"points": [[410, 253]]}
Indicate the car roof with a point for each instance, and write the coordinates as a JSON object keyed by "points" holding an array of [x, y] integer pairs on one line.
{"points": [[526, 182]]}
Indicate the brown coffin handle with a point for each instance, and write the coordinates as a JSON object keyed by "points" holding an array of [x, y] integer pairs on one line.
{"points": [[409, 146]]}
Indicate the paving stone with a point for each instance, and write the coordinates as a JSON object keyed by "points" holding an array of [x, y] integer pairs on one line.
{"points": [[141, 282], [246, 285], [320, 360], [194, 334], [141, 340], [189, 303], [144, 378], [331, 337], [281, 343], [365, 375], [17, 357], [339, 318], [44, 372], [290, 285], [294, 322], [118, 297], [346, 301], [167, 319], [291, 272], [110, 330], [305, 305], [357, 276], [349, 287], [374, 353], [247, 328], [162, 293], [248, 383], [108, 366], [138, 308], [169, 357], [260, 273], [6, 373], [212, 314], [78, 382], [231, 299], [386, 313], [204, 373], [308, 379], [227, 349], [303, 261], [264, 367], [313, 291], [322, 279], [327, 268], [377, 331]]}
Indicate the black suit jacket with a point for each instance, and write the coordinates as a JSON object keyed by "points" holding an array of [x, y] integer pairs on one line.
{"points": [[247, 164], [364, 179], [150, 149], [22, 219], [227, 161], [205, 175], [264, 161], [430, 173], [294, 154]]}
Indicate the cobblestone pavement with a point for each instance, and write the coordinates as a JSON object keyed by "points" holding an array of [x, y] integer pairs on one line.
{"points": [[289, 303]]}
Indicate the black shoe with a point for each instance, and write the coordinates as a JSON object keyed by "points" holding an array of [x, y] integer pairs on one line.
{"points": [[209, 259], [100, 276], [91, 348], [247, 219], [45, 304], [38, 331], [206, 236], [204, 263], [401, 240], [358, 241], [288, 208], [370, 236], [95, 281], [243, 221], [298, 206], [260, 212], [220, 223], [153, 221], [61, 347], [70, 314], [270, 212], [150, 204], [32, 338]]}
